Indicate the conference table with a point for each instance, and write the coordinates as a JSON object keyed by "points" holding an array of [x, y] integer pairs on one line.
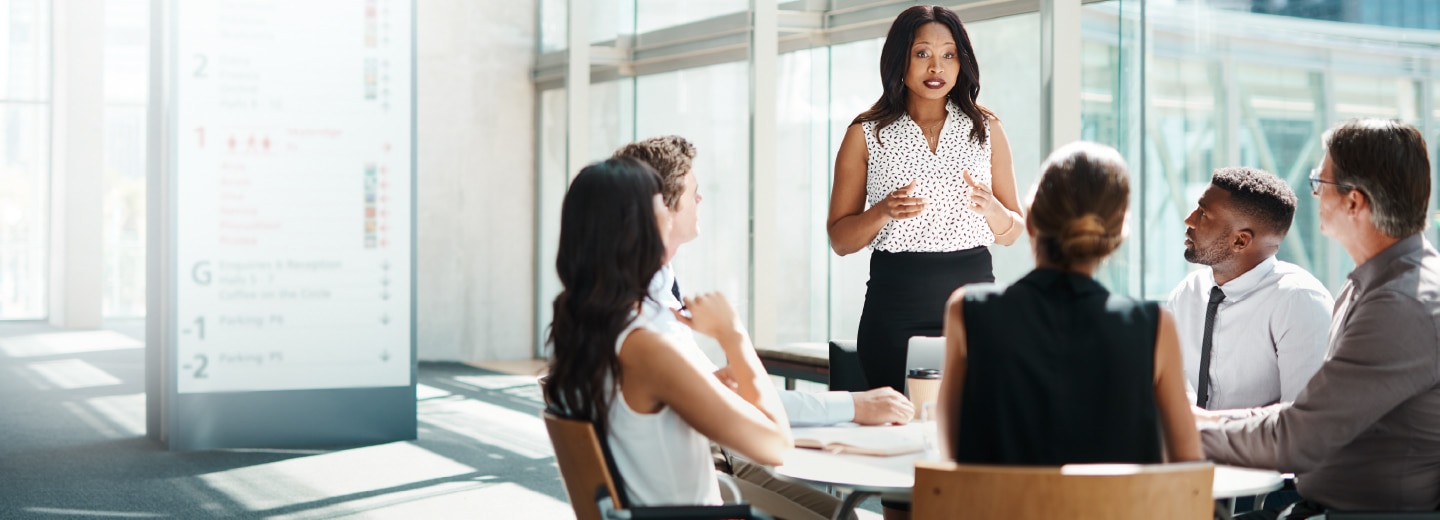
{"points": [[861, 476]]}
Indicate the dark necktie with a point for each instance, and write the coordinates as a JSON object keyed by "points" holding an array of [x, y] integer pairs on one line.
{"points": [[1202, 394], [675, 290]]}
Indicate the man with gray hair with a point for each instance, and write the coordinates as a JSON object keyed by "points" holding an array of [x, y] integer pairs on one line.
{"points": [[1364, 434]]}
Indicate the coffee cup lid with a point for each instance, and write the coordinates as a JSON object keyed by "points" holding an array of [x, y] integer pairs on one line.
{"points": [[924, 373]]}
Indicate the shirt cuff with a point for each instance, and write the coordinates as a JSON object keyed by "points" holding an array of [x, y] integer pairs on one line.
{"points": [[817, 408]]}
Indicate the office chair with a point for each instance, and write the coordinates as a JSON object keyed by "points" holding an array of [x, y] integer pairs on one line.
{"points": [[1083, 491], [597, 491]]}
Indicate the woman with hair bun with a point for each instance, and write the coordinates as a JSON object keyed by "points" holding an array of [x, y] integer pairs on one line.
{"points": [[1054, 369]]}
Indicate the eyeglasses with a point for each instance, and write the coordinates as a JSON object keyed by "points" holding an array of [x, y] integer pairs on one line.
{"points": [[1316, 181]]}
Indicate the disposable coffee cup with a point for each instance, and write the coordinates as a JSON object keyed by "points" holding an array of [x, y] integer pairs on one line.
{"points": [[922, 386]]}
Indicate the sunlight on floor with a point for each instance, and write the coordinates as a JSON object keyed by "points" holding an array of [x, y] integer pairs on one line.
{"points": [[71, 513], [126, 412], [57, 343], [519, 433], [424, 392], [449, 500], [69, 374], [337, 474], [496, 382]]}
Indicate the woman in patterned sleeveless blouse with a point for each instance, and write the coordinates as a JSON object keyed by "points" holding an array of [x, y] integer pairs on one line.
{"points": [[934, 168]]}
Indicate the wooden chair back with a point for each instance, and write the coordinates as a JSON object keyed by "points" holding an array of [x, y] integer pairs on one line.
{"points": [[1080, 491], [582, 464]]}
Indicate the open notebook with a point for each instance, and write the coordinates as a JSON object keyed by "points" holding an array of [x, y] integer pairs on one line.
{"points": [[862, 440]]}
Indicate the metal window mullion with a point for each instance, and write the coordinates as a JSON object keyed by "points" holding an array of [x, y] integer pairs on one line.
{"points": [[577, 86], [1059, 73], [764, 185]]}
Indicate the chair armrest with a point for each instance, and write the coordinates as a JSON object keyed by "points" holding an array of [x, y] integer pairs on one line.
{"points": [[690, 512], [729, 483]]}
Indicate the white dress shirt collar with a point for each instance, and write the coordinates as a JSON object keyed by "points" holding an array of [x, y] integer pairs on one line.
{"points": [[1269, 335], [1245, 284]]}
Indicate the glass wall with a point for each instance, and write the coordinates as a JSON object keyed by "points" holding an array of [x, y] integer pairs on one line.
{"points": [[1240, 84], [857, 67], [608, 20], [127, 33], [653, 15], [803, 171], [709, 106], [819, 90], [24, 159], [1180, 87]]}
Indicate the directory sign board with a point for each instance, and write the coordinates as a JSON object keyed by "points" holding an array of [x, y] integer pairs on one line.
{"points": [[286, 174], [292, 187]]}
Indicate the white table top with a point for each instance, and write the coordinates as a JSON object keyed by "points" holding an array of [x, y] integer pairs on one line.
{"points": [[896, 475]]}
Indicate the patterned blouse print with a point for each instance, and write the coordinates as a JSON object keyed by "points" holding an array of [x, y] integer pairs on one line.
{"points": [[946, 224]]}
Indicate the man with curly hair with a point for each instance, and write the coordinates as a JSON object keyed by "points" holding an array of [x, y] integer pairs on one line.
{"points": [[1252, 328]]}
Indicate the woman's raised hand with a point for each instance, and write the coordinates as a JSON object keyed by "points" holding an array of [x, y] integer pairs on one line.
{"points": [[902, 204], [711, 315], [982, 200]]}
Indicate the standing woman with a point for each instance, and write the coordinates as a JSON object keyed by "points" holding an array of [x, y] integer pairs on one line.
{"points": [[934, 168]]}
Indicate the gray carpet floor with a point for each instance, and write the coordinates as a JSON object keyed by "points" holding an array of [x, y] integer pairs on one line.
{"points": [[72, 445]]}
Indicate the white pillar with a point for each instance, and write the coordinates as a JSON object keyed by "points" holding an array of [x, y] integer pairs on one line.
{"points": [[764, 182], [1059, 73], [77, 164]]}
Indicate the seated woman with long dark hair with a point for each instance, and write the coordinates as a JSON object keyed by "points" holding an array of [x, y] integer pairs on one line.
{"points": [[1054, 369], [610, 366]]}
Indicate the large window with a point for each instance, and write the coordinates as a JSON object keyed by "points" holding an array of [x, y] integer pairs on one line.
{"points": [[24, 158], [1180, 87], [126, 71], [1236, 84], [803, 178], [819, 90], [710, 107]]}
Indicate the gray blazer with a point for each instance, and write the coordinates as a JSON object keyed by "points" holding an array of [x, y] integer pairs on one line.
{"points": [[1364, 434]]}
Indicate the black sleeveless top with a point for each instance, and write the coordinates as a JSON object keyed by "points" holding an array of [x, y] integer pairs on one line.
{"points": [[1059, 371]]}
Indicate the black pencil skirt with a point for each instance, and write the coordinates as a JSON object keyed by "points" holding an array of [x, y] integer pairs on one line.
{"points": [[906, 297]]}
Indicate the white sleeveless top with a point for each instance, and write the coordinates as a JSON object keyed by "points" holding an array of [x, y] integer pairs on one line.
{"points": [[661, 458], [947, 224]]}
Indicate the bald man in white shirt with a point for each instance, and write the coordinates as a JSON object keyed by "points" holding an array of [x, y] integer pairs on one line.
{"points": [[1253, 329]]}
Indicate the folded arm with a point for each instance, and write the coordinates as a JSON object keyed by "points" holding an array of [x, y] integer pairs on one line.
{"points": [[1381, 360]]}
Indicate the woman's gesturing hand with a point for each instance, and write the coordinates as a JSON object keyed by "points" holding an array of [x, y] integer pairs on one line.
{"points": [[902, 204], [982, 200]]}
